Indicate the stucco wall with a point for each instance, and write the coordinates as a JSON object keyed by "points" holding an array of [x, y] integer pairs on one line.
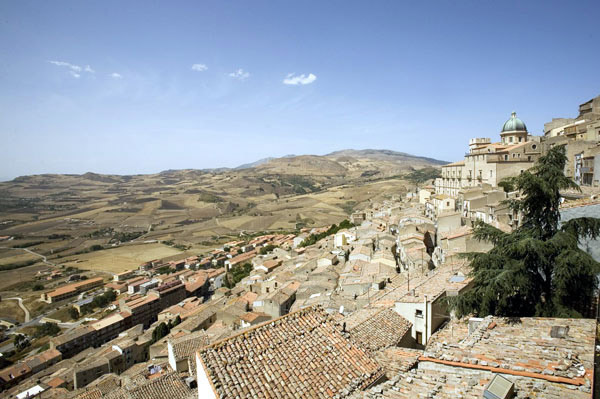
{"points": [[590, 246]]}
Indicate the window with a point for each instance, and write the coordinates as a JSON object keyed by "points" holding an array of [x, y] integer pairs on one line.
{"points": [[510, 139], [529, 158], [491, 173], [506, 157], [520, 139], [533, 146], [419, 338], [419, 313]]}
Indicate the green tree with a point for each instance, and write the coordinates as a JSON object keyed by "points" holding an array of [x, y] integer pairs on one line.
{"points": [[314, 238], [538, 269], [506, 185], [46, 329], [266, 249], [423, 175], [161, 331], [21, 342], [74, 313]]}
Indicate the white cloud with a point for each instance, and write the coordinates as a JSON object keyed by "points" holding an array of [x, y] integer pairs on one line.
{"points": [[116, 75], [199, 67], [74, 70], [240, 74], [299, 80], [72, 67]]}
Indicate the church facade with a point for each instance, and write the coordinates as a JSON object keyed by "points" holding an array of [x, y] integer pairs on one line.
{"points": [[490, 163]]}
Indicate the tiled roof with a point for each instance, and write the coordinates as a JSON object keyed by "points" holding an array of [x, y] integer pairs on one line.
{"points": [[520, 346], [433, 285], [251, 316], [193, 320], [458, 163], [74, 286], [56, 393], [380, 328], [300, 355], [169, 386], [91, 394], [106, 383], [458, 232], [248, 298], [395, 359], [56, 382], [454, 382], [187, 345], [15, 371]]}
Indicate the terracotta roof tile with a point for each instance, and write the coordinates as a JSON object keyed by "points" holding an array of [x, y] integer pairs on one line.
{"points": [[188, 344], [377, 329], [300, 355]]}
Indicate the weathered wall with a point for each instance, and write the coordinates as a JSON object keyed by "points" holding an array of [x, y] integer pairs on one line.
{"points": [[590, 246]]}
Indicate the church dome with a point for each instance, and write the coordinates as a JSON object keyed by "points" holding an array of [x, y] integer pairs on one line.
{"points": [[514, 124]]}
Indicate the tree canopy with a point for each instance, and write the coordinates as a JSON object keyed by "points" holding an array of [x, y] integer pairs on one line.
{"points": [[333, 229], [423, 175], [538, 269]]}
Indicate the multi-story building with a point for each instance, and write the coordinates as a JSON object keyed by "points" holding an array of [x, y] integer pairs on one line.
{"points": [[581, 135], [143, 310], [29, 366], [71, 290], [116, 357], [74, 341], [123, 275], [169, 294], [110, 327], [590, 167], [490, 163], [586, 126]]}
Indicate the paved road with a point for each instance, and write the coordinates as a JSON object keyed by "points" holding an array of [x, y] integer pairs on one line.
{"points": [[27, 318]]}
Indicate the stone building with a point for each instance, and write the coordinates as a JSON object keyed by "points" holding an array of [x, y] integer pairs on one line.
{"points": [[490, 163]]}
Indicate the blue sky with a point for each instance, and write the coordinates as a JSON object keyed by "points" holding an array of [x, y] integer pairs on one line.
{"points": [[111, 87]]}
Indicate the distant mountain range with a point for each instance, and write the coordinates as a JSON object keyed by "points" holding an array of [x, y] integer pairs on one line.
{"points": [[387, 155], [260, 162], [271, 193], [342, 155], [347, 163]]}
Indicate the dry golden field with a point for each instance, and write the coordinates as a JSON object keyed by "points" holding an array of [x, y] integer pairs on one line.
{"points": [[115, 260], [75, 220], [10, 309]]}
